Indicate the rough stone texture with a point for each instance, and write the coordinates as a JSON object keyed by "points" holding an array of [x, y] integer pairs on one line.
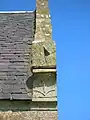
{"points": [[43, 22], [43, 49], [44, 54], [27, 110], [43, 28], [16, 36], [42, 4], [30, 115]]}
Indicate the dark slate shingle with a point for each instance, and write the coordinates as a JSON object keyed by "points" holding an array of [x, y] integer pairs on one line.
{"points": [[16, 36]]}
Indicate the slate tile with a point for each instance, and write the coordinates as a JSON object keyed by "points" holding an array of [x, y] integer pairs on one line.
{"points": [[5, 96], [16, 35], [21, 97]]}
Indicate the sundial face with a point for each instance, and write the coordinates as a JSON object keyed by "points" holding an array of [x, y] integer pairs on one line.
{"points": [[16, 36]]}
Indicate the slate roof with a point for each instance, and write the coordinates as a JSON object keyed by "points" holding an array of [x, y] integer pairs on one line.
{"points": [[16, 36]]}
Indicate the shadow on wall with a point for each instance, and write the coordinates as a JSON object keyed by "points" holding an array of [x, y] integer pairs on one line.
{"points": [[23, 105], [29, 82], [39, 78]]}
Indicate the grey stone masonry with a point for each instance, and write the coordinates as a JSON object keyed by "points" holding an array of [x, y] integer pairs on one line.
{"points": [[16, 36]]}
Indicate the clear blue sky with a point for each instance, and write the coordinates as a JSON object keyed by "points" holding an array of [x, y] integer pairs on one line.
{"points": [[71, 31]]}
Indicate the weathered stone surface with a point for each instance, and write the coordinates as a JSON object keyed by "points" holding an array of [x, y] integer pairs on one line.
{"points": [[44, 87], [42, 4], [43, 22], [38, 55], [43, 29], [43, 37], [30, 115], [44, 54]]}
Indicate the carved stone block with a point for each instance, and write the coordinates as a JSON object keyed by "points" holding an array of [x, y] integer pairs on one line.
{"points": [[44, 87]]}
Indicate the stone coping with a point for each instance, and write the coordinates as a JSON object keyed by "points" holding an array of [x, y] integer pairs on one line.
{"points": [[43, 70]]}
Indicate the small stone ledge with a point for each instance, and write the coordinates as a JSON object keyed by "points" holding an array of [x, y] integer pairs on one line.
{"points": [[43, 70], [45, 99]]}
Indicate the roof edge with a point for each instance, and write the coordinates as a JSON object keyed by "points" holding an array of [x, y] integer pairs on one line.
{"points": [[16, 11]]}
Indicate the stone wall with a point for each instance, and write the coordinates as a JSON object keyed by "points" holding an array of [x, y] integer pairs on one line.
{"points": [[30, 115], [27, 110]]}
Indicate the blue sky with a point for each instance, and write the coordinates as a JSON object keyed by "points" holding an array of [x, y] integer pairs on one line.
{"points": [[71, 31]]}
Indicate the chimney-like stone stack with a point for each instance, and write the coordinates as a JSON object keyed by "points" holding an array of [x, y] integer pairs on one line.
{"points": [[43, 23], [43, 56], [43, 48]]}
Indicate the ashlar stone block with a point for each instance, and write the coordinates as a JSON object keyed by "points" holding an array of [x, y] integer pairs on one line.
{"points": [[44, 54], [44, 87]]}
